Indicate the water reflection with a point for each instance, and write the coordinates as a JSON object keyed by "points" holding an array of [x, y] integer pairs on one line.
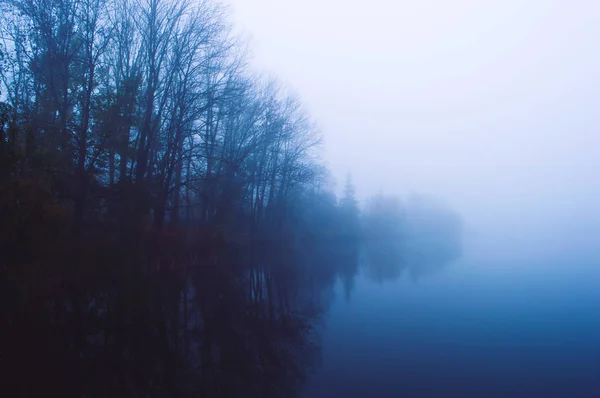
{"points": [[223, 320], [219, 320], [255, 325], [425, 237]]}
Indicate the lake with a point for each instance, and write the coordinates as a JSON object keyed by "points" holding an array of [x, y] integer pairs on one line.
{"points": [[480, 314], [495, 323]]}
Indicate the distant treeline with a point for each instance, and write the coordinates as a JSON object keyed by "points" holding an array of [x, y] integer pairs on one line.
{"points": [[420, 235]]}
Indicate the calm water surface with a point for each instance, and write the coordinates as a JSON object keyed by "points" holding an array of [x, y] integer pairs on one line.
{"points": [[516, 315], [497, 322]]}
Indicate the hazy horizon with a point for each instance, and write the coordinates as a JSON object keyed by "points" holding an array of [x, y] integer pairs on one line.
{"points": [[492, 107]]}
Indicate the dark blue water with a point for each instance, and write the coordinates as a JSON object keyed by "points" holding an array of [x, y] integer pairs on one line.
{"points": [[505, 314], [496, 323]]}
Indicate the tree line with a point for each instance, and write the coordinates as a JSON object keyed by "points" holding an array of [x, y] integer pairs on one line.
{"points": [[141, 113], [163, 210], [166, 225]]}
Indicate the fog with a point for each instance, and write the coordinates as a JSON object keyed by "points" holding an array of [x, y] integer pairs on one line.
{"points": [[171, 226], [491, 105]]}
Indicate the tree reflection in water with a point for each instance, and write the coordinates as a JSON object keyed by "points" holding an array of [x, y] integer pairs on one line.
{"points": [[421, 237], [219, 319], [222, 320]]}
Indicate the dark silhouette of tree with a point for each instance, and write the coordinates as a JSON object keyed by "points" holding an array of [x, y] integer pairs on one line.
{"points": [[143, 112]]}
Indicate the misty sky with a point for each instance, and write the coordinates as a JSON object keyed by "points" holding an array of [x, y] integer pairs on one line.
{"points": [[494, 105]]}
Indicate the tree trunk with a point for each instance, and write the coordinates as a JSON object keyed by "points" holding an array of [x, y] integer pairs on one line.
{"points": [[111, 167], [176, 191]]}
